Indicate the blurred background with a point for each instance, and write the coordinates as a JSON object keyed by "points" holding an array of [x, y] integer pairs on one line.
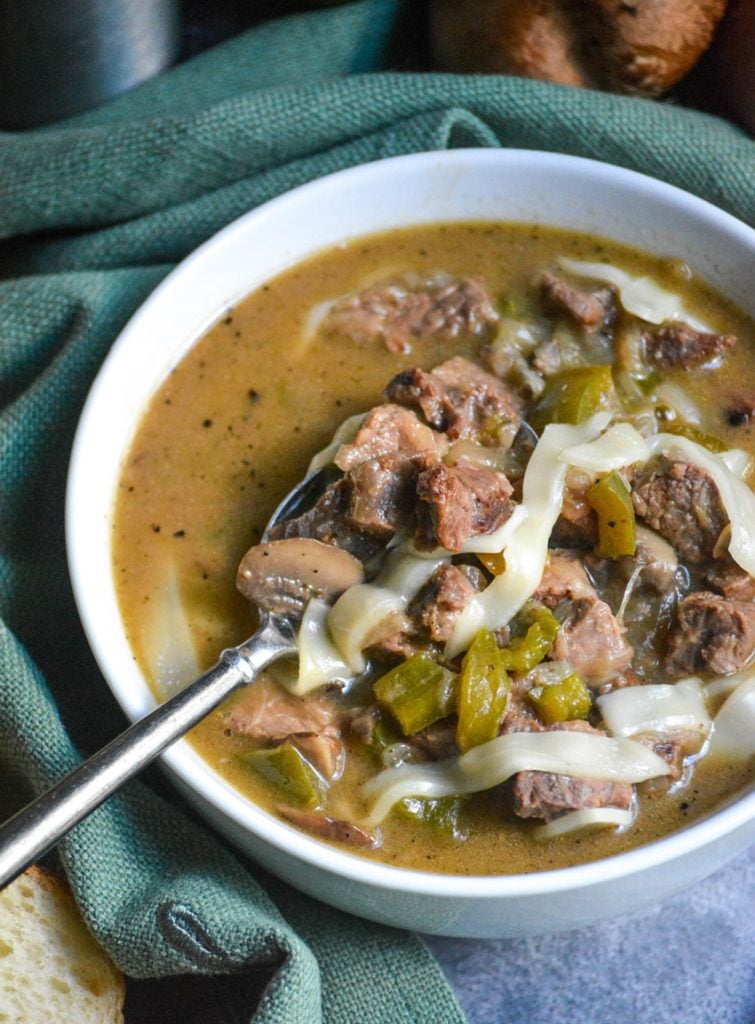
{"points": [[60, 58]]}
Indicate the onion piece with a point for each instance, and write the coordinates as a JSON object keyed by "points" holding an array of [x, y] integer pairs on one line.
{"points": [[319, 660], [663, 708], [527, 547], [565, 753], [675, 396], [734, 725], [586, 818], [640, 296]]}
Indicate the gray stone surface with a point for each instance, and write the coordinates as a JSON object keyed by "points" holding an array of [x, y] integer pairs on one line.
{"points": [[690, 960]]}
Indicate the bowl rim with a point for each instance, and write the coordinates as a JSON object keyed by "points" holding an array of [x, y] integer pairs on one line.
{"points": [[186, 763]]}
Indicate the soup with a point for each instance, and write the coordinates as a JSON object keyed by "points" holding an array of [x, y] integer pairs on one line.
{"points": [[544, 609]]}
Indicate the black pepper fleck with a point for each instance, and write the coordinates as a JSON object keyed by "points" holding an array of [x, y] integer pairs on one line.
{"points": [[206, 423], [180, 533]]}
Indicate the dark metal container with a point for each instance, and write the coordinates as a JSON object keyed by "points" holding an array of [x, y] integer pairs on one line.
{"points": [[59, 57]]}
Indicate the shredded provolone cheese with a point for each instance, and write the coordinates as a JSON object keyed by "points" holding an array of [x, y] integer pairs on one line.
{"points": [[660, 708], [527, 547], [319, 660], [588, 817], [565, 753]]}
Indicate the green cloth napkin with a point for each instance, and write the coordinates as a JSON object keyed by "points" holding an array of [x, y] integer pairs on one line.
{"points": [[93, 213]]}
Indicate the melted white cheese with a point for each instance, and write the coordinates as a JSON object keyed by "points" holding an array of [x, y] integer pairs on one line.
{"points": [[663, 708], [566, 753]]}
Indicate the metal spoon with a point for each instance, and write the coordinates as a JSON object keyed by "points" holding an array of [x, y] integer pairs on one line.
{"points": [[39, 826]]}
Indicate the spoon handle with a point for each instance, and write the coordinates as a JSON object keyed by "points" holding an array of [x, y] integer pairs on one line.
{"points": [[41, 824]]}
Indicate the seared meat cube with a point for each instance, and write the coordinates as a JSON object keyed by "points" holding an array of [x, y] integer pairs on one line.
{"points": [[328, 521], [395, 313], [460, 399], [389, 429], [384, 493], [268, 713], [443, 598], [677, 344], [564, 579], [546, 794], [327, 827], [458, 502], [682, 503], [589, 309], [591, 638], [577, 524], [729, 579], [711, 634], [436, 741]]}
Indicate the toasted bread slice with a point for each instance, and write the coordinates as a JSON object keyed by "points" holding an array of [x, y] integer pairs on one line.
{"points": [[51, 968]]}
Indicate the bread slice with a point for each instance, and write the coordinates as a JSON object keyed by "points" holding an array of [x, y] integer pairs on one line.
{"points": [[51, 968]]}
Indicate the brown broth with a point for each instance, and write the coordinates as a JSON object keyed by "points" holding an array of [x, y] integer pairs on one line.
{"points": [[234, 427]]}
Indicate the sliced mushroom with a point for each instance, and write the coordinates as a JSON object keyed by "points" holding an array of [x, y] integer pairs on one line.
{"points": [[282, 575], [326, 827]]}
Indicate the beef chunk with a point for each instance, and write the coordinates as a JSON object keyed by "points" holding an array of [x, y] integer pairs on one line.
{"points": [[711, 634], [269, 714], [591, 638], [362, 722], [682, 503], [383, 493], [436, 741], [398, 312], [577, 524], [328, 521], [460, 399], [432, 614], [546, 794], [677, 344], [729, 579], [389, 429], [326, 827], [441, 601], [589, 309], [458, 502], [564, 579]]}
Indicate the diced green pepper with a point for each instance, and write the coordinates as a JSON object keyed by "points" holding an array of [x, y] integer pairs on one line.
{"points": [[286, 768], [417, 692], [563, 701], [574, 395], [483, 691], [681, 429], [443, 815], [493, 562], [617, 530], [385, 733], [525, 652]]}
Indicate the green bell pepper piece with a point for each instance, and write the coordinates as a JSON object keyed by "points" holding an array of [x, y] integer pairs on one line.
{"points": [[525, 652], [572, 396], [483, 692], [562, 701], [443, 815], [617, 532], [417, 692], [287, 769]]}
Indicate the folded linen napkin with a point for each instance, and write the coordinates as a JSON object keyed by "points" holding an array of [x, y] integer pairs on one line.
{"points": [[93, 213]]}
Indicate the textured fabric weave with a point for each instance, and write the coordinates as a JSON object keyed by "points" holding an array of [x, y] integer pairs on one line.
{"points": [[93, 213]]}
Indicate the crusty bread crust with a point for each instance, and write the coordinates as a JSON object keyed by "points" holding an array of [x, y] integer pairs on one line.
{"points": [[643, 47], [51, 968]]}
